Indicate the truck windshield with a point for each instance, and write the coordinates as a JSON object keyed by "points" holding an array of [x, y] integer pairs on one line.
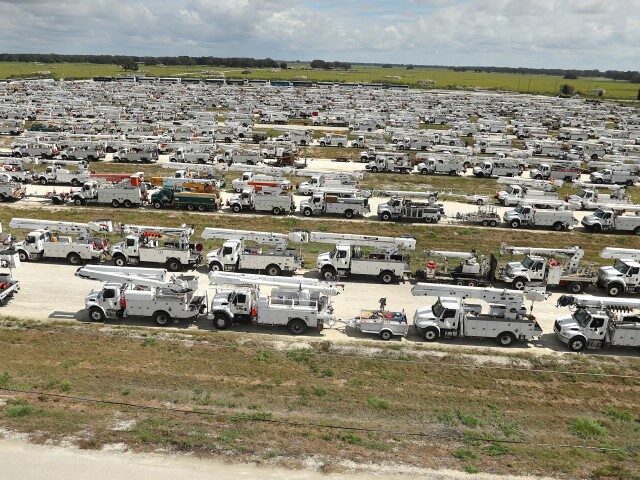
{"points": [[511, 189], [582, 317], [527, 263], [437, 309], [622, 267], [598, 213], [519, 208], [583, 194]]}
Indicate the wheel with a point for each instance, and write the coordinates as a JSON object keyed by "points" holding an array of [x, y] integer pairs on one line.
{"points": [[276, 210], [374, 169], [115, 203], [505, 339], [96, 315], [485, 223], [519, 283], [493, 223], [120, 261], [190, 207], [577, 344], [273, 270], [385, 335], [348, 213], [424, 171], [328, 275], [201, 207], [75, 182], [74, 259], [23, 256], [453, 173], [614, 289], [161, 318], [599, 180], [43, 181], [558, 226], [221, 321], [78, 201], [128, 204], [307, 212], [297, 326], [387, 277], [215, 267], [236, 208], [514, 223], [322, 144], [431, 334], [340, 145], [637, 231], [385, 216], [157, 205], [576, 287], [174, 265]]}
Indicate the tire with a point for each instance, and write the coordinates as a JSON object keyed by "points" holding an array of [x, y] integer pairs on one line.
{"points": [[43, 181], [115, 203], [75, 182], [215, 267], [514, 223], [577, 344], [424, 171], [120, 261], [485, 223], [96, 315], [387, 277], [519, 283], [78, 202], [614, 289], [221, 321], [453, 173], [340, 145], [201, 207], [430, 334], [322, 144], [575, 288], [162, 318], [385, 335], [273, 270], [506, 339], [128, 204], [157, 205], [374, 169], [276, 210], [174, 265], [348, 214], [493, 223], [23, 256], [74, 259], [236, 208], [599, 181], [385, 216], [307, 212], [297, 326], [328, 275], [558, 226]]}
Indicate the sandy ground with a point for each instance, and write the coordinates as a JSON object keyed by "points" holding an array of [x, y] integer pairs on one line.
{"points": [[24, 461]]}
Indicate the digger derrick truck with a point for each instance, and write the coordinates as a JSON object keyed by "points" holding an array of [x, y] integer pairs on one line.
{"points": [[44, 243], [472, 269], [236, 255], [157, 245], [452, 316], [598, 322], [296, 303], [387, 259], [542, 267], [142, 292], [624, 275]]}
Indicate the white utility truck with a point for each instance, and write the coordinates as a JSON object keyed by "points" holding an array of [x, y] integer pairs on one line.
{"points": [[567, 172], [590, 198], [9, 189], [541, 266], [142, 292], [296, 303], [515, 194], [497, 169], [128, 193], [403, 207], [160, 245], [258, 181], [613, 219], [525, 215], [598, 322], [236, 255], [323, 203], [388, 260], [268, 199], [42, 242], [473, 270], [58, 175], [442, 166], [451, 316], [8, 285], [608, 175], [389, 164], [624, 275], [324, 180]]}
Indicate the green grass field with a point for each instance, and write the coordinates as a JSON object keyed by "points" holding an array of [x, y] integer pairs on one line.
{"points": [[418, 77]]}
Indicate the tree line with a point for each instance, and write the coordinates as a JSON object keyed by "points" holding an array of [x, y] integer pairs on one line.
{"points": [[632, 76]]}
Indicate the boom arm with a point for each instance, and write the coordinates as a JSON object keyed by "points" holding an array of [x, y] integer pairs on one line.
{"points": [[182, 231], [265, 238], [589, 301], [407, 243], [302, 283], [617, 253], [62, 227], [488, 294], [147, 277]]}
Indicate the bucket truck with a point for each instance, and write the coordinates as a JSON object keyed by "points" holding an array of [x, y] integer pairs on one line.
{"points": [[297, 303], [322, 202], [515, 194], [387, 260], [598, 322], [329, 179], [268, 199], [541, 267], [236, 255], [42, 243], [142, 292], [128, 193], [472, 270], [258, 181], [9, 189], [589, 198], [613, 218], [526, 215], [624, 275], [451, 316], [403, 207], [59, 175], [8, 285], [145, 244]]}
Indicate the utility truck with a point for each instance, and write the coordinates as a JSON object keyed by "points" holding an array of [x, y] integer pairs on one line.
{"points": [[9, 189], [525, 215], [491, 168], [541, 266], [142, 154], [403, 207], [452, 316], [387, 259], [389, 164], [236, 255], [515, 194], [8, 285], [178, 197], [56, 174], [159, 245], [268, 199], [142, 293], [624, 275], [615, 218], [327, 180], [590, 198], [76, 245], [128, 193], [473, 270], [442, 166], [598, 322], [608, 175], [259, 181], [333, 141], [565, 172], [322, 203], [296, 303]]}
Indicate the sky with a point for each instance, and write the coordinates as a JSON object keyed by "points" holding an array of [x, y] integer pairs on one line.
{"points": [[602, 34]]}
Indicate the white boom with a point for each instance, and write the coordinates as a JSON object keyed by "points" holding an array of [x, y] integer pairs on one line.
{"points": [[605, 186], [450, 254], [301, 283], [404, 193], [549, 202], [62, 227], [147, 277], [407, 243], [182, 231], [488, 294], [265, 238], [545, 185], [604, 303], [618, 253], [196, 167], [573, 254]]}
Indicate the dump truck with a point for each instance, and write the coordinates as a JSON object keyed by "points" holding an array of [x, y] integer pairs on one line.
{"points": [[178, 197]]}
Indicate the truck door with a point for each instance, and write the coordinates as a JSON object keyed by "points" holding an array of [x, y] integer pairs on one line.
{"points": [[633, 276], [131, 246], [241, 303], [230, 254], [110, 300], [343, 254], [596, 329], [449, 319], [537, 271]]}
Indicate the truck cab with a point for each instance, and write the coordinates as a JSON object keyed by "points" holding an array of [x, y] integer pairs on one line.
{"points": [[582, 328], [532, 268], [601, 219], [226, 257], [622, 276]]}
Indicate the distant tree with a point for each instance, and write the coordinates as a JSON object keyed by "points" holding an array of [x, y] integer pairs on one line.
{"points": [[410, 67], [321, 64], [283, 65], [567, 90], [571, 76], [387, 65], [129, 65]]}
